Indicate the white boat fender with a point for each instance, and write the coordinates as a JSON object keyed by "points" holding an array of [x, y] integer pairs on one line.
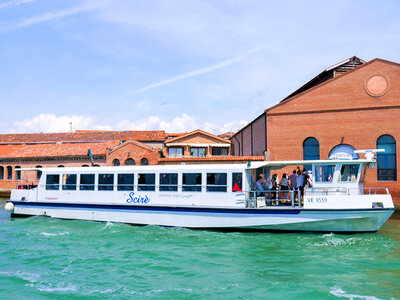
{"points": [[9, 206]]}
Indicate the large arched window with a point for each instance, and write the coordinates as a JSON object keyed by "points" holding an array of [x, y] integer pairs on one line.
{"points": [[310, 149], [343, 151], [130, 162], [386, 160]]}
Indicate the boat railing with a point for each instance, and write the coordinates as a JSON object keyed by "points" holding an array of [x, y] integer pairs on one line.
{"points": [[274, 198], [375, 191]]}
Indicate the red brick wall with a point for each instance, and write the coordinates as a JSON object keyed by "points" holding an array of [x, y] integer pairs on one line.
{"points": [[340, 111], [131, 150]]}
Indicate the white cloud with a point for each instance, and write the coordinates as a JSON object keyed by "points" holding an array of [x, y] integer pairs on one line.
{"points": [[14, 3], [53, 123], [182, 123]]}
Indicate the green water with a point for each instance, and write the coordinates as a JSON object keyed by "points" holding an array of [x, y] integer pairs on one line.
{"points": [[43, 258]]}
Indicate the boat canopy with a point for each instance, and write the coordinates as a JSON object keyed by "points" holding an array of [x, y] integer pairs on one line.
{"points": [[281, 164]]}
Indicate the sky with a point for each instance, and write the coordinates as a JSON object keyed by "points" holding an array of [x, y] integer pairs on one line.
{"points": [[174, 65]]}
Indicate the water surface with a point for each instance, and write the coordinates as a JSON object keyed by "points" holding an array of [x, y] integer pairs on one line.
{"points": [[44, 258]]}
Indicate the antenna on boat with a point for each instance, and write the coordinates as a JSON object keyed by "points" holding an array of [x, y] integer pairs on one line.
{"points": [[369, 153]]}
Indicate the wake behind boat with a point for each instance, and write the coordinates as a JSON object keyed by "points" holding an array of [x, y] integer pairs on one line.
{"points": [[211, 196]]}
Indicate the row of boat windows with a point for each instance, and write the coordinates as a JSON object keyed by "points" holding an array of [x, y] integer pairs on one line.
{"points": [[168, 182]]}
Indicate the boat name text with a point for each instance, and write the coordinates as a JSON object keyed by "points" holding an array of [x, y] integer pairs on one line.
{"points": [[317, 200], [138, 199]]}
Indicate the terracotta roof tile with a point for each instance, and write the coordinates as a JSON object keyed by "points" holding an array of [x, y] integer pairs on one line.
{"points": [[86, 135], [54, 150]]}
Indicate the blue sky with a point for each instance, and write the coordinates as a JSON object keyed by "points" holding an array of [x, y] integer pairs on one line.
{"points": [[173, 65]]}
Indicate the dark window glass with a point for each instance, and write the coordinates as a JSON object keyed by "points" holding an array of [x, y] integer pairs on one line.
{"points": [[144, 162], [146, 182], [52, 182], [349, 172], [38, 173], [191, 182], [17, 173], [1, 173], [324, 173], [236, 182], [9, 173], [130, 162], [169, 182], [106, 182], [116, 162], [198, 152], [125, 182], [386, 161], [310, 150], [69, 182], [219, 151], [87, 182], [216, 182]]}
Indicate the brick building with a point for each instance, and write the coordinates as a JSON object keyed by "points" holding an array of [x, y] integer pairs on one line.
{"points": [[351, 105], [106, 148], [40, 150]]}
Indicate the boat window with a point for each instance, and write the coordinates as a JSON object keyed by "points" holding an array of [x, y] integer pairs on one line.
{"points": [[216, 182], [106, 182], [324, 173], [236, 182], [69, 182], [146, 182], [87, 182], [191, 182], [349, 172], [52, 182], [125, 182], [169, 182]]}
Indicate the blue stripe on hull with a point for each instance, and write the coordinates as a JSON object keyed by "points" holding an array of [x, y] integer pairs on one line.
{"points": [[158, 208]]}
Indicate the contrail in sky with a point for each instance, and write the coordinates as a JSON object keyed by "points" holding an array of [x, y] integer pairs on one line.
{"points": [[194, 73], [14, 3]]}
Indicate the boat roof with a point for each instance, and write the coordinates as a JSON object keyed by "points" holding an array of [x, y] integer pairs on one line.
{"points": [[248, 165], [281, 164]]}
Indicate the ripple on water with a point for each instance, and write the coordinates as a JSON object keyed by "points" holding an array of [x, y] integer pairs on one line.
{"points": [[73, 258]]}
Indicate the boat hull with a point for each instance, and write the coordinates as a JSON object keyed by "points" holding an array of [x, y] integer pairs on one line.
{"points": [[274, 219]]}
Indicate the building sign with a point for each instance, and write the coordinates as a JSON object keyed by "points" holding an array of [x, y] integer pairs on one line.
{"points": [[343, 152]]}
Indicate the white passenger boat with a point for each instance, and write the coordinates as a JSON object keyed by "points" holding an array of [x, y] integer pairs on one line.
{"points": [[210, 196]]}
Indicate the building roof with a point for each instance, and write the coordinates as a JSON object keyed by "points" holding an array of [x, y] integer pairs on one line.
{"points": [[327, 81], [55, 149], [212, 158], [136, 143], [175, 139], [83, 136], [331, 72]]}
